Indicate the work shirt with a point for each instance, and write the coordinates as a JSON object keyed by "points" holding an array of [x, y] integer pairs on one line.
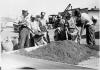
{"points": [[85, 19], [71, 23], [35, 26], [23, 21], [43, 22], [61, 24], [42, 25]]}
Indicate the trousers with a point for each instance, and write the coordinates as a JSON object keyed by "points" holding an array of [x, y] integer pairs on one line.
{"points": [[90, 34], [24, 38]]}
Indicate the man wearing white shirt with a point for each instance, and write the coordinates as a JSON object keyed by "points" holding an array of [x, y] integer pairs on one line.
{"points": [[43, 27], [24, 32], [38, 37], [35, 24]]}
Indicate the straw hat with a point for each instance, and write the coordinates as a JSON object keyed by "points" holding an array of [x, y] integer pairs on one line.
{"points": [[25, 11]]}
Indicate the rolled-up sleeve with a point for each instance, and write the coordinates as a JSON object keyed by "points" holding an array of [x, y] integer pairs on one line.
{"points": [[18, 20]]}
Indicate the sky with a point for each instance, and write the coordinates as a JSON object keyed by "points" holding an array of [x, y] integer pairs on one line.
{"points": [[13, 8]]}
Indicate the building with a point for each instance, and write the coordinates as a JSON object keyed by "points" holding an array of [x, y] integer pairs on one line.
{"points": [[91, 12], [6, 22], [94, 11]]}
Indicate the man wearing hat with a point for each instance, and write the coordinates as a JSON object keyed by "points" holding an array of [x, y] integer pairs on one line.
{"points": [[37, 32], [23, 30], [71, 27], [43, 27], [60, 33], [85, 21]]}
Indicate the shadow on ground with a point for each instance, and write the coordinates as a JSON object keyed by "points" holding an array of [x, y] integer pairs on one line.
{"points": [[97, 35], [94, 47], [27, 68]]}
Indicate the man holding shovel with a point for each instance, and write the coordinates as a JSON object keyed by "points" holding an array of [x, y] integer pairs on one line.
{"points": [[85, 22]]}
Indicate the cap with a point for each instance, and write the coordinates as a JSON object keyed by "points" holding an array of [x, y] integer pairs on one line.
{"points": [[37, 16], [32, 17], [95, 17], [43, 13], [25, 11]]}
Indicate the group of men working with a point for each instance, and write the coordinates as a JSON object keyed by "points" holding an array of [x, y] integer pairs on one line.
{"points": [[34, 29], [67, 28]]}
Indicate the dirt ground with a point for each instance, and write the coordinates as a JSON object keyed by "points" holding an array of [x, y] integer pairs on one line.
{"points": [[92, 62]]}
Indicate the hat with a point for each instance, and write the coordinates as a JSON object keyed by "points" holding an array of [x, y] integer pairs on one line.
{"points": [[37, 16], [43, 13], [77, 11], [32, 17], [59, 15], [94, 17], [25, 11]]}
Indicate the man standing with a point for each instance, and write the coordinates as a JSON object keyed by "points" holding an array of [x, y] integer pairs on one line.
{"points": [[23, 31], [38, 37], [43, 27], [60, 30], [85, 21]]}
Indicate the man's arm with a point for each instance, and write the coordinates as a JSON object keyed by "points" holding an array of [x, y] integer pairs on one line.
{"points": [[82, 29]]}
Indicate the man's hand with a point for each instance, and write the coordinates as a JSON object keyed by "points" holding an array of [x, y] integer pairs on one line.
{"points": [[79, 38], [58, 29], [33, 34]]}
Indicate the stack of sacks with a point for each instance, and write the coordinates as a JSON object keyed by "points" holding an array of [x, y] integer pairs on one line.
{"points": [[15, 42], [9, 44]]}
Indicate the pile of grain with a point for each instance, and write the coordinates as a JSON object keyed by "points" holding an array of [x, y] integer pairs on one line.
{"points": [[60, 51]]}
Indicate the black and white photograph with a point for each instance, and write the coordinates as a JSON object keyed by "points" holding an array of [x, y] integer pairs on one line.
{"points": [[49, 34]]}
